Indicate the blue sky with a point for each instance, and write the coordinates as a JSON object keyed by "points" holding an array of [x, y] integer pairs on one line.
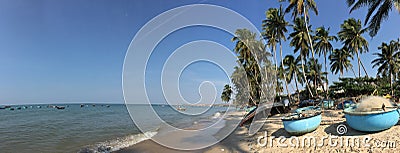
{"points": [[58, 51]]}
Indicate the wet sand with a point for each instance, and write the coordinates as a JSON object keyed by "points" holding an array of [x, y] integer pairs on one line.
{"points": [[240, 141]]}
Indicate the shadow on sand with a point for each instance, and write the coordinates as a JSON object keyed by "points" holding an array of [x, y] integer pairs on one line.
{"points": [[332, 129]]}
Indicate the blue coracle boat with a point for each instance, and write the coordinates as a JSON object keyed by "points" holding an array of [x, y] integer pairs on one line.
{"points": [[299, 110], [345, 104], [371, 121], [327, 103], [296, 125]]}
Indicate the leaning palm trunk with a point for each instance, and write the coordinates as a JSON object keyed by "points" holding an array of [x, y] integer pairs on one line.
{"points": [[284, 74], [360, 64], [297, 87], [365, 71], [352, 70], [311, 44], [304, 75]]}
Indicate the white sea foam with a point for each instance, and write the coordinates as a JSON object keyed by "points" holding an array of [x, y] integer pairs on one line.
{"points": [[119, 143]]}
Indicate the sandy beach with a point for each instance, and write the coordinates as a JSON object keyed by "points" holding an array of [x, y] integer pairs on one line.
{"points": [[326, 137]]}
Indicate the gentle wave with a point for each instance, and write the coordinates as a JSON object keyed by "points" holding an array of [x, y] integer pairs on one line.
{"points": [[117, 144]]}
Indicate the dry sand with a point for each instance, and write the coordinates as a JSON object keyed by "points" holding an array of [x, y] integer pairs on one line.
{"points": [[240, 141]]}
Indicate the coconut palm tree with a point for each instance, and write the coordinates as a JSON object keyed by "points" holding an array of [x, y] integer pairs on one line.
{"points": [[378, 11], [226, 93], [292, 68], [300, 42], [350, 34], [340, 61], [387, 61], [323, 46], [251, 55], [314, 74], [274, 29], [302, 7], [241, 86]]}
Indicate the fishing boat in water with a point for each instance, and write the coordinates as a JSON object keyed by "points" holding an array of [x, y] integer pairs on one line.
{"points": [[60, 107], [180, 108], [304, 122]]}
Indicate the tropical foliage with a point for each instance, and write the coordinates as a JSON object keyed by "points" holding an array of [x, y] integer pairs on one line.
{"points": [[350, 34], [378, 11], [340, 61], [252, 60], [255, 75], [388, 61], [226, 93]]}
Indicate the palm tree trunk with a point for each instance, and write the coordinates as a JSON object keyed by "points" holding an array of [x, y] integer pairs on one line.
{"points": [[362, 65], [311, 44], [327, 80], [297, 87], [284, 73], [391, 83], [359, 63], [354, 73], [304, 75], [276, 66]]}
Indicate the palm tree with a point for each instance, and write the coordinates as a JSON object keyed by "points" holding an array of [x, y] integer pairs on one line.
{"points": [[226, 94], [340, 61], [302, 7], [387, 61], [314, 74], [381, 8], [300, 42], [351, 36], [274, 29], [293, 70], [241, 86], [323, 45], [251, 55]]}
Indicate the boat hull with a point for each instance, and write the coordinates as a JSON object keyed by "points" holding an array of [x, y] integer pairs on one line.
{"points": [[370, 121], [302, 126], [299, 110], [328, 104]]}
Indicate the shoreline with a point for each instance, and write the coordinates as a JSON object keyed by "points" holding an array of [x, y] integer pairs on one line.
{"points": [[240, 141], [231, 119]]}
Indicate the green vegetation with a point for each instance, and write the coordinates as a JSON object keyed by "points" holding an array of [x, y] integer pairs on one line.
{"points": [[256, 74]]}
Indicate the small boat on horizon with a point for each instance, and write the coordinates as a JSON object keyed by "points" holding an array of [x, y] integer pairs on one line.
{"points": [[180, 108], [60, 107]]}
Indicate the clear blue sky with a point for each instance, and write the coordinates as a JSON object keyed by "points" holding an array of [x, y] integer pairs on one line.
{"points": [[73, 50]]}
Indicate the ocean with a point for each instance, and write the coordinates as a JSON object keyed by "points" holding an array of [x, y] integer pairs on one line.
{"points": [[91, 128]]}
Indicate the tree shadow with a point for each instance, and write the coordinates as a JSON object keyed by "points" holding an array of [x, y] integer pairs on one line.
{"points": [[332, 129]]}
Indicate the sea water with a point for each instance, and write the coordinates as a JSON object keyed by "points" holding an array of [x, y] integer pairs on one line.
{"points": [[91, 128]]}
